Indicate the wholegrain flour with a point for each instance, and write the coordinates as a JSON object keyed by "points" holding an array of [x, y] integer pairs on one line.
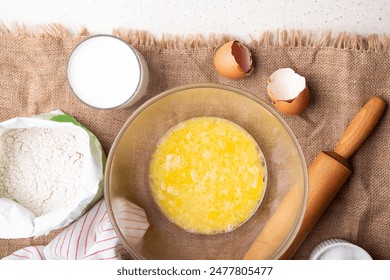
{"points": [[41, 168]]}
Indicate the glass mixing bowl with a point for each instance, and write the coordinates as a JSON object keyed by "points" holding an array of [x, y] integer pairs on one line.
{"points": [[127, 174]]}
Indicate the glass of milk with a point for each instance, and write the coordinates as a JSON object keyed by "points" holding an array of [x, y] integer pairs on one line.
{"points": [[105, 72]]}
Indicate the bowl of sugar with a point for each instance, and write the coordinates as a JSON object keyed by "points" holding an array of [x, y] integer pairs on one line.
{"points": [[105, 72]]}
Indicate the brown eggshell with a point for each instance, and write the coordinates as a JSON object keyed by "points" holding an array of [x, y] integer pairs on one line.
{"points": [[292, 107], [229, 57]]}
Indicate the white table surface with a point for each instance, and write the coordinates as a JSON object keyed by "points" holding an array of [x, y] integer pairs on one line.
{"points": [[239, 18]]}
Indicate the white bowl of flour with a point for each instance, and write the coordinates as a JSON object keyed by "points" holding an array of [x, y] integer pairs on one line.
{"points": [[51, 172]]}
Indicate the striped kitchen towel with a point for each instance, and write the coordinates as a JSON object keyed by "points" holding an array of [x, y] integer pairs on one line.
{"points": [[92, 237]]}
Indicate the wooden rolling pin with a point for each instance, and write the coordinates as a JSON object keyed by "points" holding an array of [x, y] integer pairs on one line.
{"points": [[327, 174]]}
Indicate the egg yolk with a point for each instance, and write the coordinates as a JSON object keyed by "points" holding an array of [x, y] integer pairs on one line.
{"points": [[207, 175]]}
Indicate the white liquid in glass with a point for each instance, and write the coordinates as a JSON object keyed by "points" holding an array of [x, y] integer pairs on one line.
{"points": [[104, 72]]}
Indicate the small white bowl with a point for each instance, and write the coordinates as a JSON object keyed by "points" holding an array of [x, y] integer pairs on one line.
{"points": [[105, 72], [338, 249]]}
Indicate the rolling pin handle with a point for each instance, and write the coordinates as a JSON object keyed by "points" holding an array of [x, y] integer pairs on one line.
{"points": [[360, 127]]}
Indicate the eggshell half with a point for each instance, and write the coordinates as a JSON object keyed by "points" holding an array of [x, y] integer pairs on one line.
{"points": [[233, 60], [288, 91], [292, 107]]}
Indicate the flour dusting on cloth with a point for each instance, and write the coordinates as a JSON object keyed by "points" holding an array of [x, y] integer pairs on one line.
{"points": [[41, 168]]}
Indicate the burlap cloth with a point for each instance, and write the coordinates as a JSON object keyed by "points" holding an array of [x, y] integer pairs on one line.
{"points": [[342, 71]]}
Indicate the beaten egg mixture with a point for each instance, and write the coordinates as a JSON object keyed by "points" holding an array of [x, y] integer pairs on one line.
{"points": [[207, 175]]}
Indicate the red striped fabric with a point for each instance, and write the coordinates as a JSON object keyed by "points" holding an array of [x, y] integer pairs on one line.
{"points": [[92, 237]]}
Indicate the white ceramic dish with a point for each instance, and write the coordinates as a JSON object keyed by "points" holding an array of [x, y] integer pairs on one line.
{"points": [[338, 249]]}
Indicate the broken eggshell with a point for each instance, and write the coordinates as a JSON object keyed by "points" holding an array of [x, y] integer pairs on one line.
{"points": [[288, 91], [233, 60]]}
